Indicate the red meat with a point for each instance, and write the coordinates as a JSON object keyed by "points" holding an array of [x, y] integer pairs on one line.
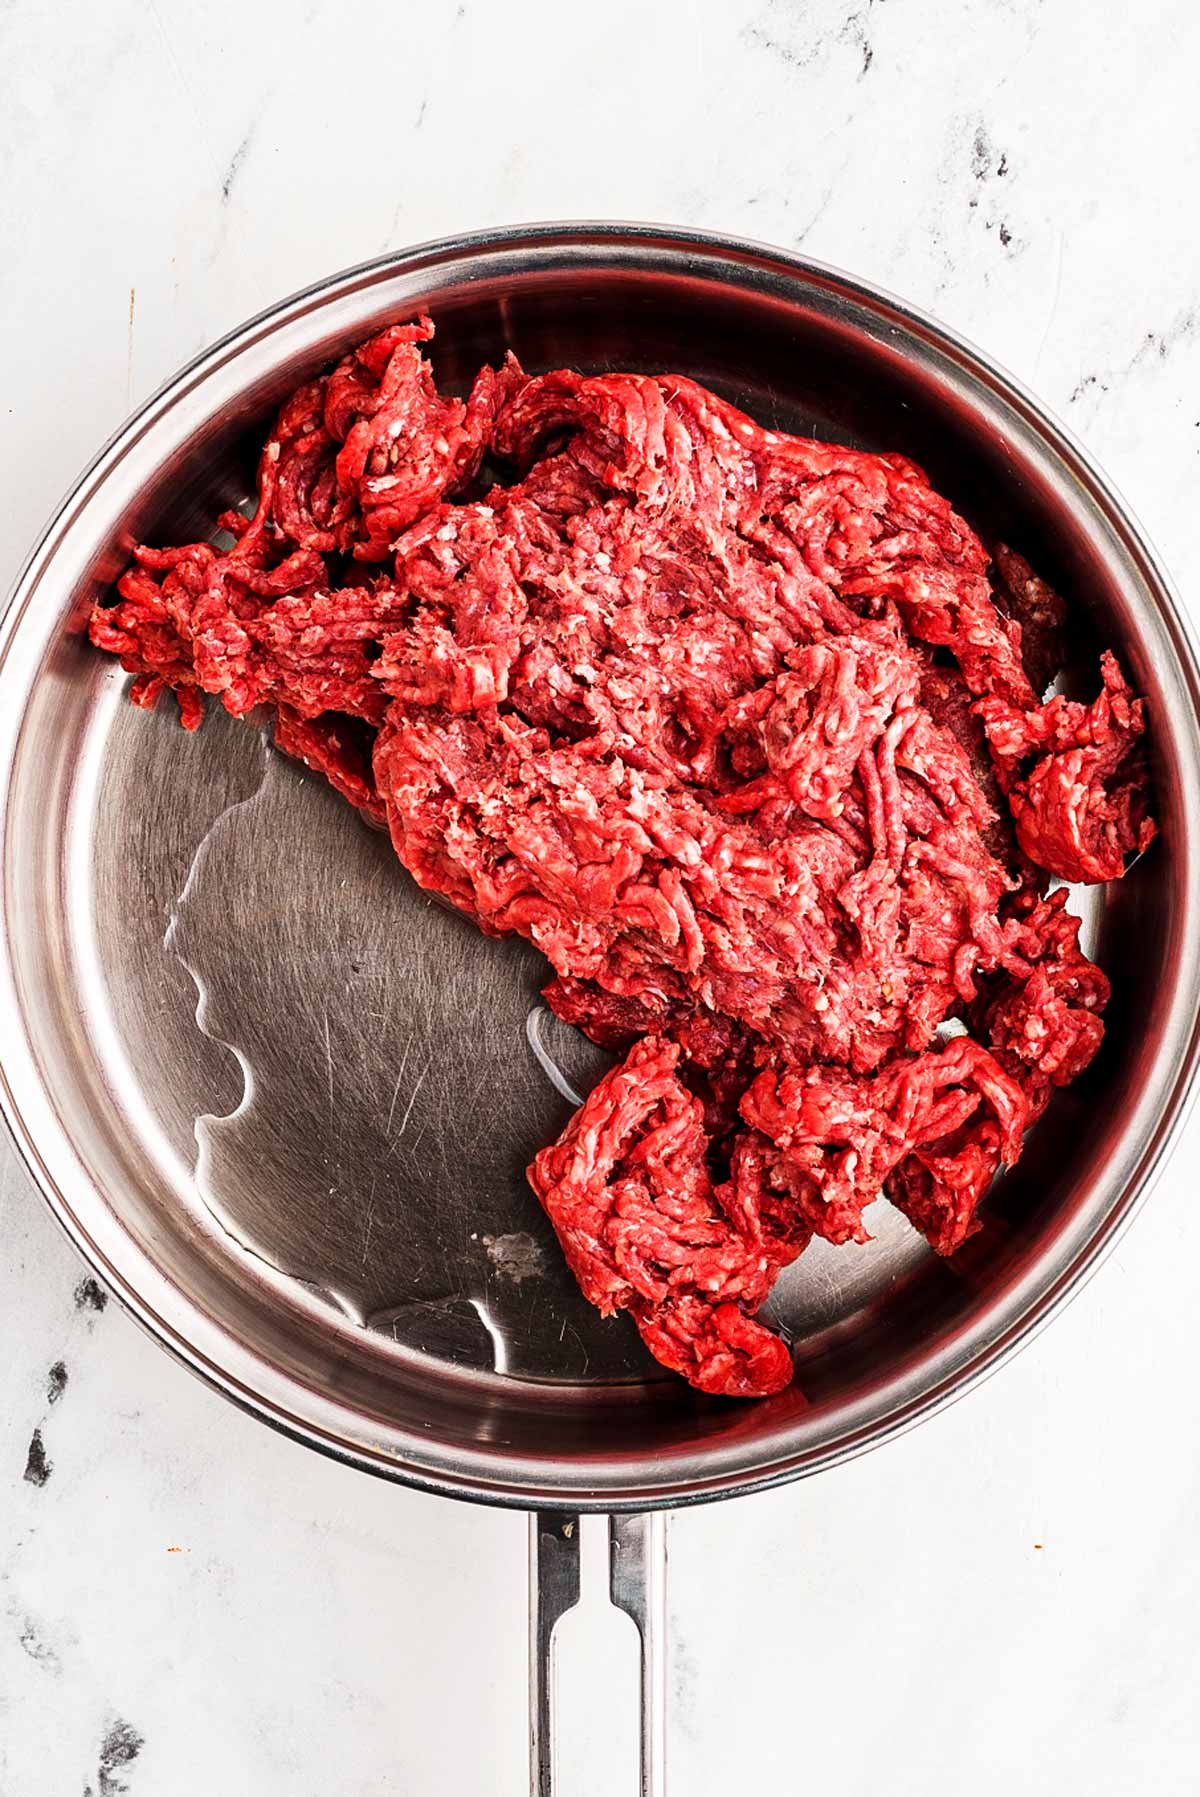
{"points": [[743, 733], [842, 1135], [335, 746], [1040, 612], [644, 1229]]}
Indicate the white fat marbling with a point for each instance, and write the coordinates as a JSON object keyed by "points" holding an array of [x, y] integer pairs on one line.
{"points": [[1008, 1599]]}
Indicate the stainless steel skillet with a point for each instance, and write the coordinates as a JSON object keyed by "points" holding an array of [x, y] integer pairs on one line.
{"points": [[283, 1104]]}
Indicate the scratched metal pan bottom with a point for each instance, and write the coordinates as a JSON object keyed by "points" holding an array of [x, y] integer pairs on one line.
{"points": [[284, 1103]]}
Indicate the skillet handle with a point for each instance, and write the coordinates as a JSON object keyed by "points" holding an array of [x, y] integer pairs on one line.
{"points": [[637, 1568], [553, 1590], [637, 1584]]}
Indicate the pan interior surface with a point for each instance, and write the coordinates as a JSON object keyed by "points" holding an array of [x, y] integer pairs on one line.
{"points": [[285, 1101]]}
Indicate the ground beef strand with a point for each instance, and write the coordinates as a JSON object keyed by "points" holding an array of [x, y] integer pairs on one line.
{"points": [[746, 732]]}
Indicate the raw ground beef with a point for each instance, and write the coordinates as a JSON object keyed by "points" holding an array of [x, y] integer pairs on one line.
{"points": [[747, 733]]}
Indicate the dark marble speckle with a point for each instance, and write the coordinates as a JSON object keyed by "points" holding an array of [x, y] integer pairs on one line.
{"points": [[90, 1295], [1083, 385], [56, 1381], [1154, 347], [987, 165], [39, 1650], [765, 40], [854, 31], [798, 44], [985, 162], [235, 163], [1161, 343], [981, 154], [120, 1747], [37, 1467]]}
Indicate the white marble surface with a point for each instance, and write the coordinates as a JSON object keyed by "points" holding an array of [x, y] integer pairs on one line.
{"points": [[1007, 1599]]}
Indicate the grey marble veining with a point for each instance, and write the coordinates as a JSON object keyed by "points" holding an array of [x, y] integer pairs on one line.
{"points": [[1010, 1597]]}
